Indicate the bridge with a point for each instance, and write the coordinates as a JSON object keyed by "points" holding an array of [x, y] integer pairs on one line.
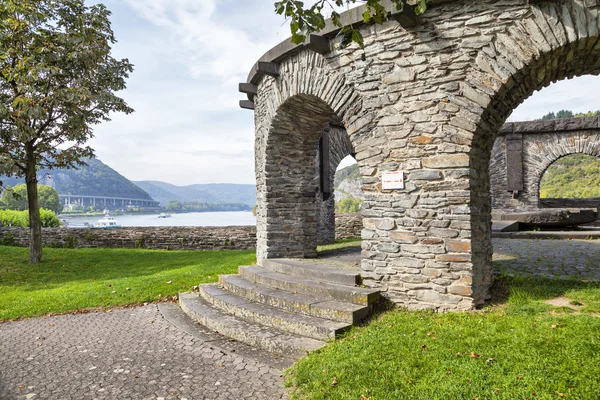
{"points": [[426, 96], [106, 202]]}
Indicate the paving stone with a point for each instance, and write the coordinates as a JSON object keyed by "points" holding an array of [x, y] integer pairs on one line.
{"points": [[130, 353]]}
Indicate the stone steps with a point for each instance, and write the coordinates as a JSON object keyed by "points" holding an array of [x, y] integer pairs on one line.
{"points": [[312, 327], [286, 306], [300, 269], [271, 339], [349, 294], [305, 304]]}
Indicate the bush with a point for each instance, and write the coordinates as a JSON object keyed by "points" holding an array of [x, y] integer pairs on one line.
{"points": [[21, 218], [348, 205]]}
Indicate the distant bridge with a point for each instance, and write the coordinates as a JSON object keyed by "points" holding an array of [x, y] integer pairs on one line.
{"points": [[106, 202]]}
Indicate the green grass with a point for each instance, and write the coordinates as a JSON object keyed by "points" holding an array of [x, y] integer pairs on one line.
{"points": [[76, 279], [517, 348]]}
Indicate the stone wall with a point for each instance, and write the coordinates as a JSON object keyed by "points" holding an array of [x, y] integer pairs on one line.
{"points": [[348, 226], [164, 238], [428, 100], [339, 147], [539, 144]]}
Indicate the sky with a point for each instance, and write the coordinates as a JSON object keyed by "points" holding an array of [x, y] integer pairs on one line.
{"points": [[189, 56]]}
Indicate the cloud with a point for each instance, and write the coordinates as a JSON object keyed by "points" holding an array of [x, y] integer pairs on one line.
{"points": [[206, 44]]}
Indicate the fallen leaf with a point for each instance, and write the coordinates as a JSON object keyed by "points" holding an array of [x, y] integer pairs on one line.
{"points": [[448, 372], [429, 333], [364, 397], [127, 288], [169, 282], [114, 291], [554, 326], [489, 360], [475, 355], [424, 346], [561, 394], [334, 382], [21, 387]]}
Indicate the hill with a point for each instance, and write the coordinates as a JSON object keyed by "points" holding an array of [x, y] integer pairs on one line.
{"points": [[347, 183], [574, 176], [219, 193], [94, 179]]}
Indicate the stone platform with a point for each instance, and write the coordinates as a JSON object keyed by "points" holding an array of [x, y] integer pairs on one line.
{"points": [[549, 217]]}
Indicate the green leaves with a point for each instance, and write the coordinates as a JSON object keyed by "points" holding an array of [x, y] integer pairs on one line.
{"points": [[57, 78], [304, 21]]}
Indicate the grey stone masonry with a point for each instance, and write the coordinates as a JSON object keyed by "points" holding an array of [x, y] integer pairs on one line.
{"points": [[339, 147], [164, 237], [427, 100], [541, 144]]}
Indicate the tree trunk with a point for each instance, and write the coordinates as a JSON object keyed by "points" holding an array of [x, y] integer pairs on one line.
{"points": [[35, 223]]}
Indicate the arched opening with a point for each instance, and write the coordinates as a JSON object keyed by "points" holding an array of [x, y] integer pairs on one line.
{"points": [[572, 181], [334, 147], [296, 203], [521, 64]]}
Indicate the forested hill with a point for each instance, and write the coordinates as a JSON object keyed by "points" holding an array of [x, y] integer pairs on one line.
{"points": [[220, 193], [95, 179], [574, 176]]}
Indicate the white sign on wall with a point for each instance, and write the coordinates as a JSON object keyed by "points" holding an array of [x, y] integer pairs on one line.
{"points": [[392, 180]]}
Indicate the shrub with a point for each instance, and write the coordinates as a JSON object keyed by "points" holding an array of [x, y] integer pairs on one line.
{"points": [[21, 218]]}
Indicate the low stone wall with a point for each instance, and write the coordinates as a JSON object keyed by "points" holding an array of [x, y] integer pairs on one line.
{"points": [[165, 238], [348, 225], [570, 203]]}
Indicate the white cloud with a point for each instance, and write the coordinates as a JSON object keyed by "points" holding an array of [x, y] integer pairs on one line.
{"points": [[206, 44]]}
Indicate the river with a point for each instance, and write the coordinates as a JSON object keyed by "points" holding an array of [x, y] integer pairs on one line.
{"points": [[225, 218]]}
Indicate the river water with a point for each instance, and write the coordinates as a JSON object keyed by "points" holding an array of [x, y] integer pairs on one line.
{"points": [[186, 219]]}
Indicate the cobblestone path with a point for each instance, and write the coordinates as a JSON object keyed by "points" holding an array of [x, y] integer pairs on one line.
{"points": [[123, 354], [561, 259]]}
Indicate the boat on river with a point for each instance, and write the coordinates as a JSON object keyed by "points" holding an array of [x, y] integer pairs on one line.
{"points": [[108, 222], [164, 215]]}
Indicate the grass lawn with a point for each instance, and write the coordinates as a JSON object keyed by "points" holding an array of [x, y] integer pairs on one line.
{"points": [[75, 279], [518, 348]]}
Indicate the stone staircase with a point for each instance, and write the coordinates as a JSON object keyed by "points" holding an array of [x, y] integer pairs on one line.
{"points": [[285, 306]]}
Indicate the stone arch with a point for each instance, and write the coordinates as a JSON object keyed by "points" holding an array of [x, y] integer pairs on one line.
{"points": [[292, 112], [549, 41], [547, 153]]}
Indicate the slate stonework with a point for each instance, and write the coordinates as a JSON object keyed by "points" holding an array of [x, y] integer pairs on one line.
{"points": [[164, 238], [543, 143], [429, 101]]}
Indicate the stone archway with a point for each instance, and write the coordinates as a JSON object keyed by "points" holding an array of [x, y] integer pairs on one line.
{"points": [[536, 145], [427, 100], [294, 116]]}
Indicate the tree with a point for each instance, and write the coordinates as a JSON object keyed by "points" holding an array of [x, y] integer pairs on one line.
{"points": [[16, 198], [57, 79], [174, 206], [304, 21], [564, 114]]}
